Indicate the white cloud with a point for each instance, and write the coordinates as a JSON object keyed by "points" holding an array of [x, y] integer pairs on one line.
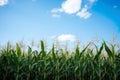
{"points": [[3, 2], [84, 13], [74, 7], [66, 37], [69, 7], [55, 10], [56, 15]]}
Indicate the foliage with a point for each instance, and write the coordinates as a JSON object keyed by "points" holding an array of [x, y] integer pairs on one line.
{"points": [[85, 64]]}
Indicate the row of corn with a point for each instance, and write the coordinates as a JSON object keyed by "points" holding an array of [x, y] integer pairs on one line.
{"points": [[81, 64]]}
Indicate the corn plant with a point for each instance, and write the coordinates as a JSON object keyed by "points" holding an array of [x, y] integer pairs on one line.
{"points": [[60, 64]]}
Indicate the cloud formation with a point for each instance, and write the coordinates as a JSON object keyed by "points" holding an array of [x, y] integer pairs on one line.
{"points": [[71, 6], [66, 37], [84, 13], [56, 15], [74, 7], [3, 2]]}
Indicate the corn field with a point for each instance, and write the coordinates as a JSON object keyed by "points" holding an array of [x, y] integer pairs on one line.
{"points": [[60, 64]]}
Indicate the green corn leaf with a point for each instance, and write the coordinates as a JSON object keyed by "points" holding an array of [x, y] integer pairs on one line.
{"points": [[42, 46], [18, 50], [113, 49], [29, 50], [84, 50], [109, 52], [77, 53], [53, 53], [98, 52], [43, 49]]}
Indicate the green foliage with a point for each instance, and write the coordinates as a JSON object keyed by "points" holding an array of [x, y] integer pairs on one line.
{"points": [[85, 64]]}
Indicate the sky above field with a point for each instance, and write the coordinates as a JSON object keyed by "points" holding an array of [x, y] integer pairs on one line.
{"points": [[64, 20]]}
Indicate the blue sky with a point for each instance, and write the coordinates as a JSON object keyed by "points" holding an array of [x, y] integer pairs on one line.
{"points": [[65, 20]]}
